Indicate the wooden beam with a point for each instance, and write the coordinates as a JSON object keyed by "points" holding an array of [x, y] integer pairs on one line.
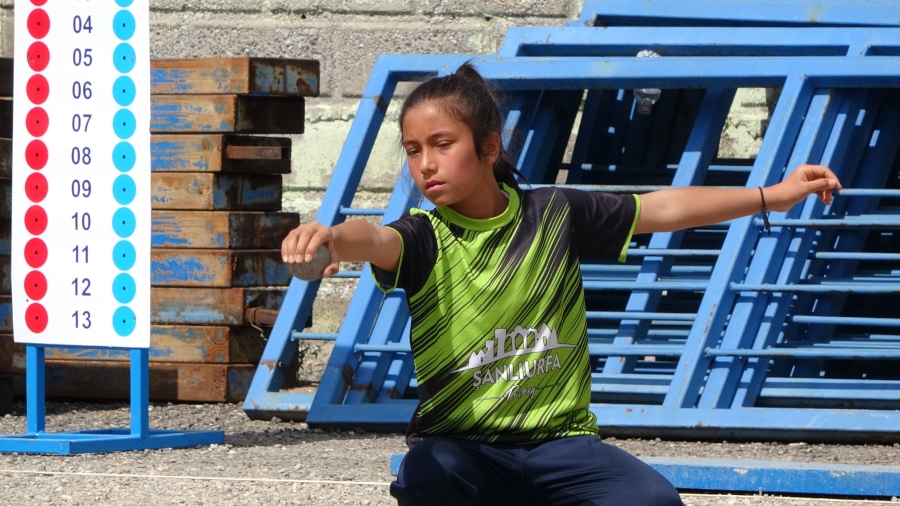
{"points": [[5, 158], [226, 113], [209, 306], [168, 381], [218, 229], [168, 343], [6, 117], [217, 268], [258, 76], [209, 153], [6, 77], [215, 191]]}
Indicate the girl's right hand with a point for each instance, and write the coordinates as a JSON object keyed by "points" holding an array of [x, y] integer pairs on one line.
{"points": [[301, 244]]}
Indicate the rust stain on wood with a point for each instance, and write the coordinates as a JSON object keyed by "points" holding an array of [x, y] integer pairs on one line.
{"points": [[253, 153]]}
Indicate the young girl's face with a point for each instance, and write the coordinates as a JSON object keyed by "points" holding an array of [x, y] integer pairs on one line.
{"points": [[442, 157]]}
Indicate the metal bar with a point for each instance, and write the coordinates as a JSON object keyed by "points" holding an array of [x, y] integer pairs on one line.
{"points": [[876, 257], [314, 336], [872, 222], [698, 41], [140, 392], [634, 315], [696, 13], [357, 211], [661, 285], [847, 320], [823, 288], [832, 353], [35, 392]]}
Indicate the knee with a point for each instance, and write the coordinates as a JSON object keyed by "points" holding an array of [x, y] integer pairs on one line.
{"points": [[429, 475]]}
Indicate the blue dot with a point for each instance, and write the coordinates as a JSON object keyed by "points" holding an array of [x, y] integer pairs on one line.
{"points": [[124, 156], [124, 57], [124, 189], [123, 25], [124, 123], [124, 321], [124, 255], [123, 3], [124, 288], [124, 222], [124, 91]]}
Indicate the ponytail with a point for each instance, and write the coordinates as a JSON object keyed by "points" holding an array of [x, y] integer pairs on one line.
{"points": [[468, 98]]}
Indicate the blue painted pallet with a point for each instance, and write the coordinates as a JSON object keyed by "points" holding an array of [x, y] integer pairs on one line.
{"points": [[767, 477]]}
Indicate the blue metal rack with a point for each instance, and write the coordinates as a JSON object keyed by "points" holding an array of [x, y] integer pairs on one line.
{"points": [[138, 437], [356, 350]]}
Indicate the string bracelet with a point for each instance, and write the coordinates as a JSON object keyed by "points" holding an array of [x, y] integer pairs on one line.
{"points": [[765, 212]]}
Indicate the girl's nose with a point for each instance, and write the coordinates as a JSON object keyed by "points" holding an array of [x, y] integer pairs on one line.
{"points": [[429, 162]]}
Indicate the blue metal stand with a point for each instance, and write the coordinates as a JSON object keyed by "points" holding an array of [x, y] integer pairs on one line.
{"points": [[138, 437]]}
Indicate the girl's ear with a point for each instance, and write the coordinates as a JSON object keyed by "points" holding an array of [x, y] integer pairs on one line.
{"points": [[490, 148]]}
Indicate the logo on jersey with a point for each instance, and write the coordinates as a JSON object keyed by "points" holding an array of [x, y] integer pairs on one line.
{"points": [[518, 342]]}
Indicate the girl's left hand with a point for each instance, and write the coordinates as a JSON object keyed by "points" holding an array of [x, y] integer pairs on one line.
{"points": [[803, 181]]}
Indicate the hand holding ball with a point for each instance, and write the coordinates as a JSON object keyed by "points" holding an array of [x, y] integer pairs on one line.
{"points": [[312, 270]]}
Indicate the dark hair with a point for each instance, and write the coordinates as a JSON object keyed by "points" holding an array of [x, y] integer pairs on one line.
{"points": [[465, 95]]}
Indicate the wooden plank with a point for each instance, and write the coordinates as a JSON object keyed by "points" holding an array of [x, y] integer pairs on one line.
{"points": [[226, 113], [215, 191], [5, 276], [5, 158], [6, 238], [168, 343], [6, 317], [5, 199], [209, 306], [253, 153], [6, 117], [209, 153], [220, 229], [217, 268], [168, 381], [6, 395], [6, 77], [258, 76]]}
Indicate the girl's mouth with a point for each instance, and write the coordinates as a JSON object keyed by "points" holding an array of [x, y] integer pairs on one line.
{"points": [[430, 185]]}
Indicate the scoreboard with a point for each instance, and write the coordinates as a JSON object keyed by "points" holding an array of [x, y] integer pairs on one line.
{"points": [[81, 173]]}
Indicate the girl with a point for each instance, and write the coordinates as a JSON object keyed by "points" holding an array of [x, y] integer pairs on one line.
{"points": [[499, 331]]}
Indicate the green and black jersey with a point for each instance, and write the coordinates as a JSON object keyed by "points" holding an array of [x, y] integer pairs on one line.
{"points": [[499, 332]]}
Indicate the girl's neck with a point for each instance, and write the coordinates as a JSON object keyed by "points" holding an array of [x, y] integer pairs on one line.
{"points": [[485, 205]]}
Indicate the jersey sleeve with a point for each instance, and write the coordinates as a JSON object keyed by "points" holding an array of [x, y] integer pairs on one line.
{"points": [[603, 223], [418, 255]]}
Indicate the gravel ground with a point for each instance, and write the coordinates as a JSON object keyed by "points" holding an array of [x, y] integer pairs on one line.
{"points": [[287, 463]]}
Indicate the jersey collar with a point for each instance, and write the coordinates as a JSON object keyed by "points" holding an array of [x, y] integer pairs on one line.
{"points": [[489, 224]]}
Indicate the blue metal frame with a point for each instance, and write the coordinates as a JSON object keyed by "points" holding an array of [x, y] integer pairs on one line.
{"points": [[733, 13], [364, 381], [493, 69], [138, 437]]}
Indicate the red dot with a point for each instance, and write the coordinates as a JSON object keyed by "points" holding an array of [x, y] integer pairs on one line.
{"points": [[36, 187], [37, 121], [39, 2], [38, 23], [36, 220], [36, 318], [35, 253], [37, 89], [35, 285], [38, 56], [36, 154]]}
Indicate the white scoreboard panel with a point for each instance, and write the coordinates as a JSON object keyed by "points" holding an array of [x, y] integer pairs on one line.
{"points": [[81, 173]]}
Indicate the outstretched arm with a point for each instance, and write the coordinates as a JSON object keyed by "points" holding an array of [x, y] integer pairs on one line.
{"points": [[351, 241], [679, 208]]}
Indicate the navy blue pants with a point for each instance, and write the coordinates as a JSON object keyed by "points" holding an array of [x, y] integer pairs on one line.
{"points": [[579, 470]]}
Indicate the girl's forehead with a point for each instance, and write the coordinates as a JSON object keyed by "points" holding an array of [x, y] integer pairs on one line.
{"points": [[425, 117]]}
